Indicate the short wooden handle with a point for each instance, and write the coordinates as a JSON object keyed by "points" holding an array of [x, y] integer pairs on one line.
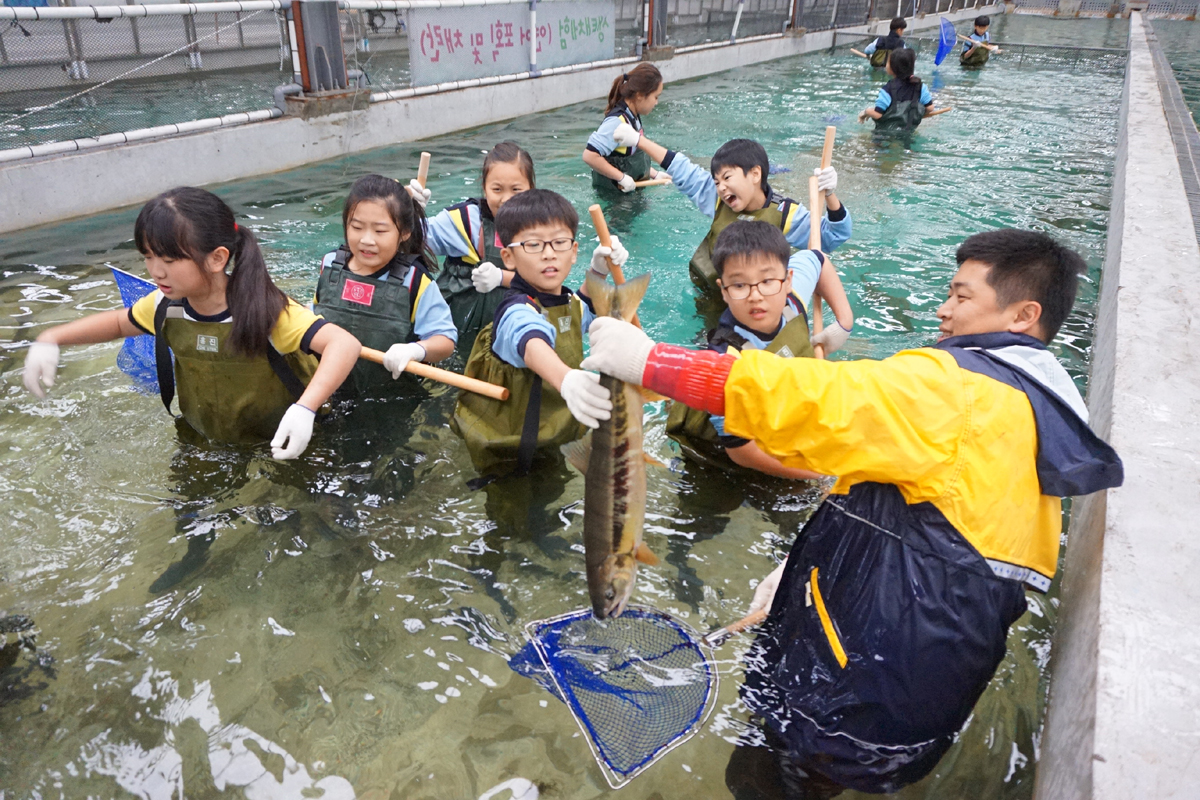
{"points": [[827, 153], [443, 376], [601, 226], [940, 111], [423, 170], [652, 182], [859, 53]]}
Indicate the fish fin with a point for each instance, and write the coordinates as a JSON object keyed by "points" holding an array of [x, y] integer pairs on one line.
{"points": [[644, 555], [629, 296], [652, 461], [602, 293], [578, 453], [649, 396]]}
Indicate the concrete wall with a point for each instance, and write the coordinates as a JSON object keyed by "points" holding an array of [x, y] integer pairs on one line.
{"points": [[1124, 714], [40, 191]]}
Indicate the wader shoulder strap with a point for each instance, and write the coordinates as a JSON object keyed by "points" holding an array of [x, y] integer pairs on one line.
{"points": [[162, 357], [529, 430], [287, 376]]}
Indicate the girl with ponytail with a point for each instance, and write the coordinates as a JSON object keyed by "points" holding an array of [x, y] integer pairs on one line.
{"points": [[904, 100], [240, 351], [633, 94]]}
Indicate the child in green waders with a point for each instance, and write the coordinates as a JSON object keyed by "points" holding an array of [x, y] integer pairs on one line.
{"points": [[735, 187], [378, 286], [904, 100], [976, 52], [879, 50], [534, 344], [472, 280], [766, 290], [241, 352], [633, 94]]}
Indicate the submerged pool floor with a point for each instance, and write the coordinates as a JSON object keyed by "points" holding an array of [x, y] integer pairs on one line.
{"points": [[351, 623]]}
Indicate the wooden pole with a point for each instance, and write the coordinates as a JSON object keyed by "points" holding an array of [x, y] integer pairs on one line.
{"points": [[423, 170], [939, 111], [442, 376], [601, 226], [859, 53], [718, 636], [652, 182], [816, 210]]}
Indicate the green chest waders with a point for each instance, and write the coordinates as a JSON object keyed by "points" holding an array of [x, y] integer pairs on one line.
{"points": [[378, 312], [224, 396], [635, 164], [471, 310], [535, 417], [692, 428], [779, 212], [976, 59]]}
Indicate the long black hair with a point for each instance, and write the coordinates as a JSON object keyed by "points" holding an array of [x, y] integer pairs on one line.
{"points": [[406, 214], [644, 79], [903, 61], [190, 223]]}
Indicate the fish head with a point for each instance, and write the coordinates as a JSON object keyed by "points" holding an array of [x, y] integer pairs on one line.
{"points": [[617, 576]]}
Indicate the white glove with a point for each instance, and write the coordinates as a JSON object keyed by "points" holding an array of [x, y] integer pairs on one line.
{"points": [[626, 135], [627, 184], [832, 338], [419, 193], [826, 179], [486, 277], [295, 429], [398, 355], [619, 349], [764, 595], [587, 400], [602, 255], [41, 365]]}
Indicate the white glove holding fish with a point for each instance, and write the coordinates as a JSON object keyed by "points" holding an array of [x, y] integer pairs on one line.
{"points": [[41, 366], [398, 355], [832, 338], [486, 277], [626, 135], [619, 349], [587, 400], [602, 256], [419, 193], [627, 184], [826, 179], [294, 431], [764, 594]]}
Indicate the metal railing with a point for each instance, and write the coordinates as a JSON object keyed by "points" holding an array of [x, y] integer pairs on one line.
{"points": [[1158, 9]]}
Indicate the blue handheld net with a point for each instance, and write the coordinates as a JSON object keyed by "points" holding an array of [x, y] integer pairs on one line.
{"points": [[136, 358], [638, 685], [946, 42]]}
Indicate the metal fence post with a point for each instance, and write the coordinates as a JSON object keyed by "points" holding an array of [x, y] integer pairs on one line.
{"points": [[137, 40], [833, 15], [737, 20], [533, 70]]}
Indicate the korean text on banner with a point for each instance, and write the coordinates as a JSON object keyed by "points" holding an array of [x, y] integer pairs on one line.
{"points": [[450, 44]]}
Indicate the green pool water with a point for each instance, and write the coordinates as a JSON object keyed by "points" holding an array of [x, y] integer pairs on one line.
{"points": [[351, 624], [1180, 40]]}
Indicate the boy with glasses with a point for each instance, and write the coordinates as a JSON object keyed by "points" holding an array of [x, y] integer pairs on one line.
{"points": [[534, 343], [765, 290]]}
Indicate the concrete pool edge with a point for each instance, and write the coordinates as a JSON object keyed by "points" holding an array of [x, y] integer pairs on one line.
{"points": [[1123, 718], [56, 188]]}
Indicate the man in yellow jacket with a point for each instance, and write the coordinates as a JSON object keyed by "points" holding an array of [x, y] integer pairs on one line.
{"points": [[892, 611]]}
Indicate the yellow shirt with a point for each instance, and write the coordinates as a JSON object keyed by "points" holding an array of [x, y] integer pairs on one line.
{"points": [[293, 330]]}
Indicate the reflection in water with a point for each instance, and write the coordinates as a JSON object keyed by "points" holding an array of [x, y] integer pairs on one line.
{"points": [[353, 611]]}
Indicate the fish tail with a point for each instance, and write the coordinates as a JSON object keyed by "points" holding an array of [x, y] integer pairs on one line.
{"points": [[629, 296], [602, 293]]}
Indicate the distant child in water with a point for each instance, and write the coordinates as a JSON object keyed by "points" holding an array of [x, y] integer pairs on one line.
{"points": [[473, 279], [904, 100], [633, 94], [976, 52]]}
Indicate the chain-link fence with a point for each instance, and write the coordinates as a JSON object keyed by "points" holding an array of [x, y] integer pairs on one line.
{"points": [[692, 22], [1158, 9]]}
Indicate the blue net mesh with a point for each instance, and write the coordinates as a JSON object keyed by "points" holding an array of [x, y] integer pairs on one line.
{"points": [[136, 358], [637, 685], [946, 41]]}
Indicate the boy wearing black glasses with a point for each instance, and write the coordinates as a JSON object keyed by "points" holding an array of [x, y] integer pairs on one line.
{"points": [[765, 289], [534, 343]]}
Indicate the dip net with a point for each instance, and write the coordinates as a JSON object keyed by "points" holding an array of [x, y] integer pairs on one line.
{"points": [[136, 358], [638, 685]]}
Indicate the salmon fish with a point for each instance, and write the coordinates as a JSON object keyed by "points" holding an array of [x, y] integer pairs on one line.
{"points": [[614, 467]]}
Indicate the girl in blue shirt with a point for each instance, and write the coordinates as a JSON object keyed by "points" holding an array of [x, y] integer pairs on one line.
{"points": [[904, 100], [633, 94]]}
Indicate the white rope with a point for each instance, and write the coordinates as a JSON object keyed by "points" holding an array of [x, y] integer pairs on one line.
{"points": [[187, 46]]}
